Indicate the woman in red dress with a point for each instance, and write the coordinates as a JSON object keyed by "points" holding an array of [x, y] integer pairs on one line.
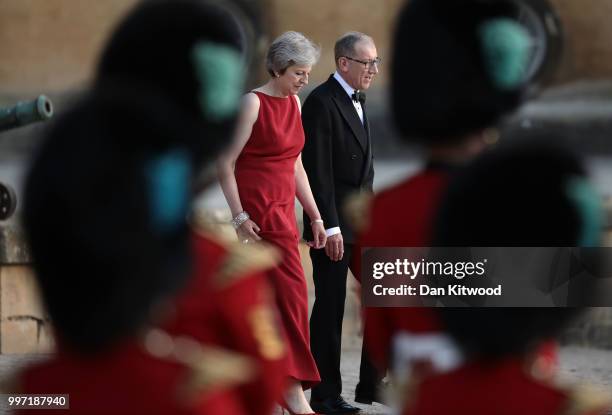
{"points": [[261, 175]]}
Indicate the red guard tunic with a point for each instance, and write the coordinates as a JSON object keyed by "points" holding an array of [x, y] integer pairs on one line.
{"points": [[230, 304], [499, 388], [381, 225], [129, 380], [399, 216]]}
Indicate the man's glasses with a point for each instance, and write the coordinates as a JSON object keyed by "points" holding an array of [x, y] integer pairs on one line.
{"points": [[366, 64]]}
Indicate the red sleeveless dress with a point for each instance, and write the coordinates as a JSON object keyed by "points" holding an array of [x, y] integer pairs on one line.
{"points": [[265, 174]]}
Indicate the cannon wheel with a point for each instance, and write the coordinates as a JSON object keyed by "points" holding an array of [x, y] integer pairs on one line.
{"points": [[544, 26], [8, 201]]}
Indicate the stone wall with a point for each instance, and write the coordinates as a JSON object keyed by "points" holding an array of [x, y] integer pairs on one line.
{"points": [[49, 47], [588, 50], [587, 53], [52, 45], [326, 21], [24, 325]]}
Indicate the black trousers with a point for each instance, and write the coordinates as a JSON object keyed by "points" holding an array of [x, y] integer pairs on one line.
{"points": [[326, 327]]}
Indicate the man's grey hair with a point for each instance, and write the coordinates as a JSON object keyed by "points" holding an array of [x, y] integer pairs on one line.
{"points": [[345, 46], [291, 48]]}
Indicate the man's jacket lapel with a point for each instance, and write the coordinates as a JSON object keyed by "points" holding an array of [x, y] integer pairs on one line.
{"points": [[368, 159], [347, 110]]}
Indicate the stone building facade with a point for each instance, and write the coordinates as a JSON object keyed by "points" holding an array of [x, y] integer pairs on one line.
{"points": [[52, 45]]}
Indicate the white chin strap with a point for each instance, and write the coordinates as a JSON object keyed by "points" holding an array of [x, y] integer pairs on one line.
{"points": [[438, 349]]}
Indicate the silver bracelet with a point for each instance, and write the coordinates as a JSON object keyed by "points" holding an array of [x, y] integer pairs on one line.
{"points": [[240, 219], [312, 222]]}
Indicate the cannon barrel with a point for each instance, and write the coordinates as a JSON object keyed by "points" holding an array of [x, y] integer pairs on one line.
{"points": [[26, 112]]}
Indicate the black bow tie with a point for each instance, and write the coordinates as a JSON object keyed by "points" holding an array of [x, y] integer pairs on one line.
{"points": [[359, 96]]}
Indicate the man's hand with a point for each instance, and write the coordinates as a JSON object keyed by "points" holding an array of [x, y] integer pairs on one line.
{"points": [[334, 248]]}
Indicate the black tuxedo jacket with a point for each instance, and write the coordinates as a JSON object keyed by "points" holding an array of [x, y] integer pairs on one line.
{"points": [[337, 154]]}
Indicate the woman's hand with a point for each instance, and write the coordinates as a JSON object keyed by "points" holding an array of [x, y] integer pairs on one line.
{"points": [[320, 237], [248, 232]]}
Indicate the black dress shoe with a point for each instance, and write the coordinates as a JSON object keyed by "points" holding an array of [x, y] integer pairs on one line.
{"points": [[367, 398], [333, 406]]}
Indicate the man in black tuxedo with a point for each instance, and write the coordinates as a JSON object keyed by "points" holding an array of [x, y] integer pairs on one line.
{"points": [[337, 157]]}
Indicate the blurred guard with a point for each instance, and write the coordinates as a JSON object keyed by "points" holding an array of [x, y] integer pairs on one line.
{"points": [[528, 194], [129, 248], [117, 172], [174, 61], [458, 69]]}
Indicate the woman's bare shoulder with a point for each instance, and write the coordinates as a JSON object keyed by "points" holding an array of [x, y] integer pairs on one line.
{"points": [[250, 98], [299, 103], [250, 103]]}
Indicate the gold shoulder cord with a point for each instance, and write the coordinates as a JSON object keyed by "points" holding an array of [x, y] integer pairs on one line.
{"points": [[210, 367], [584, 400], [265, 330], [208, 225], [243, 260], [357, 210]]}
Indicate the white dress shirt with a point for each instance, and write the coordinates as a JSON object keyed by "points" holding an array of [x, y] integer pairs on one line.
{"points": [[350, 90]]}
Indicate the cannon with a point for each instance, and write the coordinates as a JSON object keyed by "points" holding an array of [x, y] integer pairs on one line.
{"points": [[26, 112], [8, 201], [23, 113]]}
